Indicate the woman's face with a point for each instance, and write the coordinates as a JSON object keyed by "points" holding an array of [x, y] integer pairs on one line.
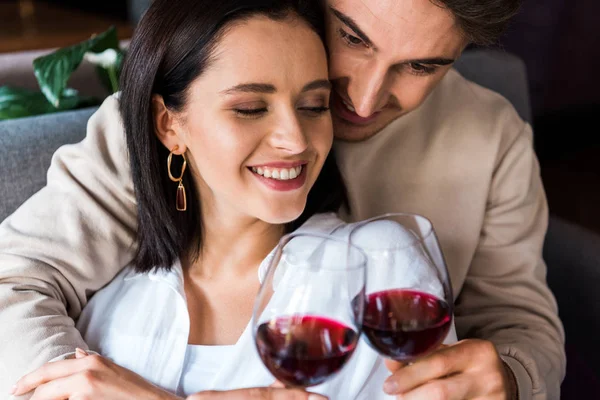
{"points": [[256, 124]]}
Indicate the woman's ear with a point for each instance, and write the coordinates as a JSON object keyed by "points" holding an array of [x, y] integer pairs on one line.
{"points": [[166, 125]]}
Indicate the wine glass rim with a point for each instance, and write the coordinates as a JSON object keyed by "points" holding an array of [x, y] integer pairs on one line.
{"points": [[418, 239], [362, 264]]}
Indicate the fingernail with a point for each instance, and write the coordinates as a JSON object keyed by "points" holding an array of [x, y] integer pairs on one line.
{"points": [[81, 351], [390, 387], [316, 397], [13, 389]]}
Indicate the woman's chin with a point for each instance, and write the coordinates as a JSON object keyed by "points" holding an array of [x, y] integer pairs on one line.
{"points": [[283, 215]]}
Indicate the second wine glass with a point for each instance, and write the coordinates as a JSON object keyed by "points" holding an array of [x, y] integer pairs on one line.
{"points": [[408, 303], [306, 319]]}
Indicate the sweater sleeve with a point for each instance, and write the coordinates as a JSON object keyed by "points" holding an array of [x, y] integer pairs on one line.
{"points": [[505, 297], [63, 244]]}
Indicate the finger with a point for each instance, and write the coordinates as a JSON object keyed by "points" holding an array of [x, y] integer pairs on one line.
{"points": [[258, 394], [392, 365], [446, 361], [277, 384], [59, 389], [48, 372], [80, 353], [457, 387]]}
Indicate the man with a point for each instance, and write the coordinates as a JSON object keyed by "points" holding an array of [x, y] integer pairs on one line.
{"points": [[413, 136]]}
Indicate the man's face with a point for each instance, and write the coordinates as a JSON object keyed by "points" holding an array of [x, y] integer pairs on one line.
{"points": [[386, 56]]}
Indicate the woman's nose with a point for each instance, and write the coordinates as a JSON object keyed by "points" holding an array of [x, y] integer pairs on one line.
{"points": [[289, 135]]}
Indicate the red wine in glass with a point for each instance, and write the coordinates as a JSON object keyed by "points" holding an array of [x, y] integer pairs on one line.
{"points": [[304, 351], [405, 324]]}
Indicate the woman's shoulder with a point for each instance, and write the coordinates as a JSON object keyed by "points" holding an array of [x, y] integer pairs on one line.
{"points": [[129, 293]]}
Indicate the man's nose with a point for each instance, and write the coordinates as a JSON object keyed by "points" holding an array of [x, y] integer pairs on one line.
{"points": [[367, 89]]}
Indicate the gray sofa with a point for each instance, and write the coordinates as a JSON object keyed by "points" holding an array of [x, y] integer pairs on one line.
{"points": [[571, 252]]}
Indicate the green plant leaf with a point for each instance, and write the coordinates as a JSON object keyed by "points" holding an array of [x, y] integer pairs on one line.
{"points": [[54, 70], [20, 103]]}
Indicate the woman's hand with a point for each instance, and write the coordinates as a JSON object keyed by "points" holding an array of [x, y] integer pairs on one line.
{"points": [[87, 377], [94, 377], [469, 369]]}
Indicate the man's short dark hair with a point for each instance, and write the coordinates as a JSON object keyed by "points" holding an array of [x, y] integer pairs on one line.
{"points": [[482, 21]]}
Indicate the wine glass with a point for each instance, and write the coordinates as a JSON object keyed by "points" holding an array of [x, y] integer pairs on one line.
{"points": [[305, 323], [408, 303]]}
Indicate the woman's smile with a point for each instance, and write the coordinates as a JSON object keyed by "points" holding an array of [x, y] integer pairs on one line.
{"points": [[281, 176]]}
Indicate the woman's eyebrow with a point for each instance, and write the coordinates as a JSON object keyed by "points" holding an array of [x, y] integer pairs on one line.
{"points": [[270, 89], [318, 84], [250, 88]]}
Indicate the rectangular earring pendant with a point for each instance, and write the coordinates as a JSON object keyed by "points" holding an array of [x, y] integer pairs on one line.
{"points": [[180, 200]]}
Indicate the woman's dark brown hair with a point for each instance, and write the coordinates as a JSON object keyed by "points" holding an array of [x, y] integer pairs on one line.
{"points": [[172, 46]]}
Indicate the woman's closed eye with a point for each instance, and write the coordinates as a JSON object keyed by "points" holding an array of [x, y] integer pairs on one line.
{"points": [[258, 112], [315, 104], [251, 112], [315, 110]]}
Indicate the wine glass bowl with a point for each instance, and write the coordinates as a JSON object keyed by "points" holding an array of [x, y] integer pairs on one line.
{"points": [[405, 324], [303, 351], [305, 323], [408, 303]]}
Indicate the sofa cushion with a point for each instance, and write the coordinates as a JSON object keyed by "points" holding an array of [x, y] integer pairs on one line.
{"points": [[26, 149]]}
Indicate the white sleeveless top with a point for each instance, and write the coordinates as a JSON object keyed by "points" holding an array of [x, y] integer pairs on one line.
{"points": [[202, 363]]}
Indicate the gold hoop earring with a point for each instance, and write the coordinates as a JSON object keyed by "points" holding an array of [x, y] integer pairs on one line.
{"points": [[180, 200]]}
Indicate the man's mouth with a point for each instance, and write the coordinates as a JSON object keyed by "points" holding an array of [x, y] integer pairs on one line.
{"points": [[346, 111]]}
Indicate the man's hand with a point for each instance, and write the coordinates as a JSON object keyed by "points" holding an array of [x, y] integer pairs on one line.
{"points": [[469, 369], [88, 377]]}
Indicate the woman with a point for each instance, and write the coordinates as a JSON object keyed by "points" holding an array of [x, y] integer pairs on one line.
{"points": [[225, 109]]}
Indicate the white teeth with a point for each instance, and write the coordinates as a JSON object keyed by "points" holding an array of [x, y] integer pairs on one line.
{"points": [[348, 106], [282, 174]]}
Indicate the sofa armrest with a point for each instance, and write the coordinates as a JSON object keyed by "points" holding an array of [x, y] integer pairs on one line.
{"points": [[572, 254]]}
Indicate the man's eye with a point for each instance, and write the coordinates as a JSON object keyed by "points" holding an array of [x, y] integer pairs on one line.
{"points": [[421, 69], [350, 39]]}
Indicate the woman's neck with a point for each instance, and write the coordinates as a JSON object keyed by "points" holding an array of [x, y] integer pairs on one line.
{"points": [[233, 246]]}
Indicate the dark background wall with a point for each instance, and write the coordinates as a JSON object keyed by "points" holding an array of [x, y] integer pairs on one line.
{"points": [[559, 40]]}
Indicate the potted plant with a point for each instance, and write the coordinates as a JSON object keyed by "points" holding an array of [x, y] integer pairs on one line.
{"points": [[53, 71]]}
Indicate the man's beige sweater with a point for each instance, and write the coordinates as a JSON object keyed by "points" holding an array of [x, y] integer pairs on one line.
{"points": [[464, 159]]}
